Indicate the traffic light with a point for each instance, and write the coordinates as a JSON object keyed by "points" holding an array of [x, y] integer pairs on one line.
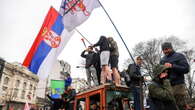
{"points": [[2, 64]]}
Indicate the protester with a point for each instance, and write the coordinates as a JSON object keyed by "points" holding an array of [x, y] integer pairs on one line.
{"points": [[56, 103], [178, 67], [89, 65], [114, 55], [191, 106], [160, 90], [136, 81], [104, 59], [68, 98], [94, 105], [68, 80], [97, 64]]}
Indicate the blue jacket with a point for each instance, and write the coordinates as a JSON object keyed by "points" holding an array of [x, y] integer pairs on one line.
{"points": [[179, 68]]}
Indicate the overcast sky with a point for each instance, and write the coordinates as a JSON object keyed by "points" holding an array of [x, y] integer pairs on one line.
{"points": [[137, 20]]}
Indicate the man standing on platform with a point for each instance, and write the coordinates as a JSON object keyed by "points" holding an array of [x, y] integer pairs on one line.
{"points": [[89, 66]]}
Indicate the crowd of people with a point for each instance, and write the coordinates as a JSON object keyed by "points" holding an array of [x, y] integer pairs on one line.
{"points": [[167, 90]]}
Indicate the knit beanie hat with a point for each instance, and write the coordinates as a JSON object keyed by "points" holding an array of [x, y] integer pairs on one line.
{"points": [[158, 69], [166, 45]]}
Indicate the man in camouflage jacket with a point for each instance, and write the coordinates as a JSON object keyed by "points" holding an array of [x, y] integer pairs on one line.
{"points": [[160, 90]]}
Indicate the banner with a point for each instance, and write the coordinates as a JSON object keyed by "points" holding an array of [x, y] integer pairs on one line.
{"points": [[57, 88], [75, 12]]}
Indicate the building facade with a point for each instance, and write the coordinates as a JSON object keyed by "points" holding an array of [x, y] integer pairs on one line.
{"points": [[17, 86], [59, 71]]}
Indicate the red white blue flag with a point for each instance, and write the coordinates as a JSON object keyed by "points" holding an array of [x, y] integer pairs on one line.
{"points": [[75, 12], [48, 44]]}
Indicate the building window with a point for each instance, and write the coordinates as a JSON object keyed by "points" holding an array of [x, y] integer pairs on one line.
{"points": [[15, 93], [34, 92], [23, 94], [31, 87], [6, 81], [5, 88], [4, 91], [34, 88], [29, 95], [24, 85], [17, 83]]}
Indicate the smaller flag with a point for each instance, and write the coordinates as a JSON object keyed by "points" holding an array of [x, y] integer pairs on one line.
{"points": [[26, 107], [57, 88], [75, 12], [11, 108]]}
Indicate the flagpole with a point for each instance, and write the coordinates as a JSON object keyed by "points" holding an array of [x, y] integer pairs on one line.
{"points": [[118, 33], [83, 36], [116, 30], [141, 92]]}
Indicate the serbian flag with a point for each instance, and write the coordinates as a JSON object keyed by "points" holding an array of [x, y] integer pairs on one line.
{"points": [[75, 12], [48, 44]]}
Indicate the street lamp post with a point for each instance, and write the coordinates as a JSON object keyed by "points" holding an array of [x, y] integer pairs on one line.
{"points": [[2, 64]]}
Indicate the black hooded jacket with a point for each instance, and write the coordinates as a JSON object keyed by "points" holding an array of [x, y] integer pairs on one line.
{"points": [[135, 75], [103, 43], [180, 67]]}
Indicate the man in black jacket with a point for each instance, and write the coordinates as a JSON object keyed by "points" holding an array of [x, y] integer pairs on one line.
{"points": [[178, 66], [68, 98], [56, 103], [136, 81]]}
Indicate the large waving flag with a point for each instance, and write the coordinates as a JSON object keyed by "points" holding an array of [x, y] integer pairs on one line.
{"points": [[75, 12], [48, 44]]}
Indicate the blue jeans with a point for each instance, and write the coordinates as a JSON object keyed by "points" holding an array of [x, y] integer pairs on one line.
{"points": [[137, 97]]}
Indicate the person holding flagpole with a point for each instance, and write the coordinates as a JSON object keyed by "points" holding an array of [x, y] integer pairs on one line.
{"points": [[104, 59], [89, 66]]}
